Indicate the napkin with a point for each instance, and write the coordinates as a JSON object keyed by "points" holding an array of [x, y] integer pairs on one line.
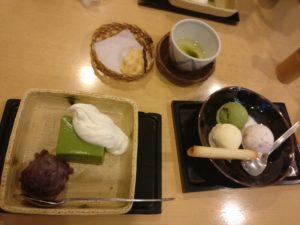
{"points": [[111, 51], [89, 3]]}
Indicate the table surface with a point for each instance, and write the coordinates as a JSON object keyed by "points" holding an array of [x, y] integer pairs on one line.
{"points": [[45, 44]]}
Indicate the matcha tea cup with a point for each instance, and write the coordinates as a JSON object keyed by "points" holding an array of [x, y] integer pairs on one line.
{"points": [[193, 44]]}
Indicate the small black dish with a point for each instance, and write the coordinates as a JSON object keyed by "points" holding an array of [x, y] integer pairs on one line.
{"points": [[178, 77], [262, 111]]}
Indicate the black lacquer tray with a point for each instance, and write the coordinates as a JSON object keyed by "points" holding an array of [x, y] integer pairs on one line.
{"points": [[148, 183], [165, 5], [199, 174]]}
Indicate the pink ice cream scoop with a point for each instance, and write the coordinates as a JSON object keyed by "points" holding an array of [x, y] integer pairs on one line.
{"points": [[258, 137]]}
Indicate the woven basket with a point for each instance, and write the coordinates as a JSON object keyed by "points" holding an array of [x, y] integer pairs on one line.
{"points": [[109, 30]]}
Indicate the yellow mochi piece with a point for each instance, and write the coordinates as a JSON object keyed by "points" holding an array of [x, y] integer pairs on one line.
{"points": [[133, 62]]}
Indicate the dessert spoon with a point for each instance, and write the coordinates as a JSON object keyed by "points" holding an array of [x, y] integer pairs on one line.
{"points": [[53, 203], [257, 166]]}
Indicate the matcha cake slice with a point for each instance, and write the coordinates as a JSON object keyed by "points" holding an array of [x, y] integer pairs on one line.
{"points": [[73, 149]]}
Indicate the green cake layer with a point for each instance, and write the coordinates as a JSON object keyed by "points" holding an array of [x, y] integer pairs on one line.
{"points": [[73, 149]]}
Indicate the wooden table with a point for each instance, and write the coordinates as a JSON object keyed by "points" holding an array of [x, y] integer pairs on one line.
{"points": [[45, 44]]}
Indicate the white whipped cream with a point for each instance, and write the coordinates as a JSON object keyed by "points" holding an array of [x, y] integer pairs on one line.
{"points": [[97, 128]]}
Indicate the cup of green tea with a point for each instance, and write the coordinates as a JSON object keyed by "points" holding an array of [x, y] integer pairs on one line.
{"points": [[193, 44]]}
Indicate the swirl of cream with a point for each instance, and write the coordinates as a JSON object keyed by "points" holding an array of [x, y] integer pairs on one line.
{"points": [[97, 128]]}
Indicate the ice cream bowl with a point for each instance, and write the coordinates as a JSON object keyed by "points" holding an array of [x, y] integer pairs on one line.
{"points": [[262, 111]]}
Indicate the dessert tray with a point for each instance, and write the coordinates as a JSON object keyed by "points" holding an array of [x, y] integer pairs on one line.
{"points": [[148, 172], [198, 174], [224, 11], [222, 8]]}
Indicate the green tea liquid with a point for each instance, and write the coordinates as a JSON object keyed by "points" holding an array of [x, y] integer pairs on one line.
{"points": [[191, 48]]}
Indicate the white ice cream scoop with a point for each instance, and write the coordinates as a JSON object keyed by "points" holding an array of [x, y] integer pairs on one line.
{"points": [[225, 135]]}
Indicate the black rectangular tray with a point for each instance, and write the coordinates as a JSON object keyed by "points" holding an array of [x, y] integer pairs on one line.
{"points": [[148, 183], [199, 174], [165, 5]]}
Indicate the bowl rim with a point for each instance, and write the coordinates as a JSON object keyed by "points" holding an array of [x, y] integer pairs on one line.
{"points": [[215, 164]]}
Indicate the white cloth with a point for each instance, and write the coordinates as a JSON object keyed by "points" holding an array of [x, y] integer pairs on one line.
{"points": [[111, 51]]}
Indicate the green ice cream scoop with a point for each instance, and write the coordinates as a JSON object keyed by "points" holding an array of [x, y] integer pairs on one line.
{"points": [[233, 113]]}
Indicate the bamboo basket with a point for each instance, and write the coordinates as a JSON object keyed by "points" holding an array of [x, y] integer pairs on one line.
{"points": [[108, 30]]}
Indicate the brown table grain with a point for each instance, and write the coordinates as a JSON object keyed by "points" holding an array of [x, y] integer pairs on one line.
{"points": [[45, 44]]}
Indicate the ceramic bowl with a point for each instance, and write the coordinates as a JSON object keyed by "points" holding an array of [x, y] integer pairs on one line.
{"points": [[195, 33]]}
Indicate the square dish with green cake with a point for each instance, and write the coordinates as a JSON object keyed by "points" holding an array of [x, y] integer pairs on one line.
{"points": [[37, 127]]}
